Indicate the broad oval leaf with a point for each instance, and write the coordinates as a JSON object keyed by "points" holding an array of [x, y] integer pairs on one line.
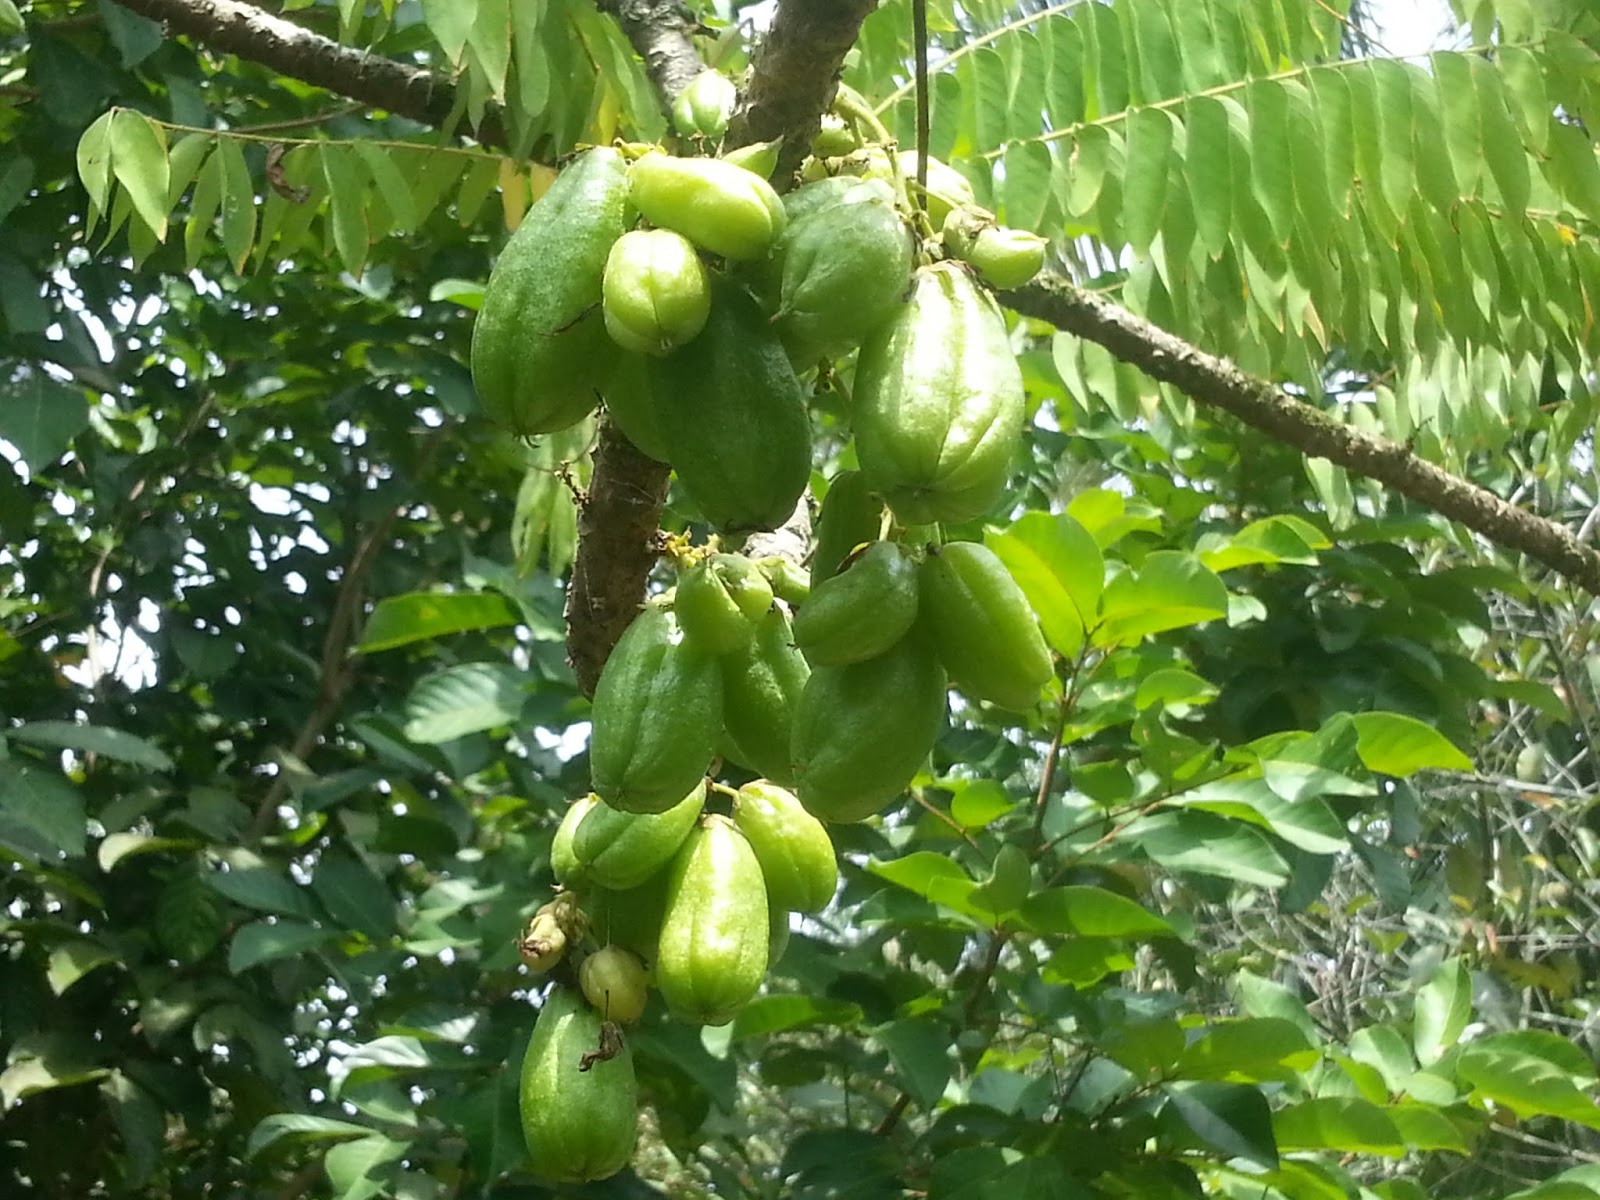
{"points": [[1395, 744], [464, 699], [417, 616]]}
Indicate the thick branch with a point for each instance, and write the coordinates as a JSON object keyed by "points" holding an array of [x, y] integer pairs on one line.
{"points": [[617, 527], [794, 74], [1219, 384], [661, 31], [252, 33]]}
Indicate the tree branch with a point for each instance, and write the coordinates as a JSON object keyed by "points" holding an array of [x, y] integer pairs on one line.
{"points": [[1217, 383], [257, 35], [661, 31], [794, 74]]}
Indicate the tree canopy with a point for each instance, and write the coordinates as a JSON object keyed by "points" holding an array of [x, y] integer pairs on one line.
{"points": [[1284, 888]]}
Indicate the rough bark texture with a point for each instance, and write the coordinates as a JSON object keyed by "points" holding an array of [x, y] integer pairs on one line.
{"points": [[617, 527], [794, 74], [661, 31], [257, 35], [1219, 384]]}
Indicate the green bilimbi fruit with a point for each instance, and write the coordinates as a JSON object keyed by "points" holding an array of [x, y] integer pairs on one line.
{"points": [[862, 611], [656, 293], [713, 952], [657, 714], [717, 205], [732, 418], [938, 401], [777, 934], [615, 984], [795, 851], [563, 857], [630, 401], [987, 636], [948, 188], [822, 194], [862, 731], [579, 1107], [762, 684], [851, 515], [843, 270], [834, 138], [761, 158], [789, 581], [631, 919], [621, 850], [539, 346], [719, 600], [702, 109], [1004, 258]]}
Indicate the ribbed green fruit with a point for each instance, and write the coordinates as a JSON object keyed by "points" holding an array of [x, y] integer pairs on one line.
{"points": [[719, 600], [761, 686], [843, 269], [861, 732], [717, 205], [702, 109], [714, 936], [850, 516], [631, 919], [630, 402], [983, 627], [539, 346], [656, 717], [564, 863], [938, 401], [620, 850], [656, 293], [732, 417], [579, 1124], [862, 611], [796, 854]]}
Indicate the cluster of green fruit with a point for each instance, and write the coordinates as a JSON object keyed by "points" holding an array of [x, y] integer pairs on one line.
{"points": [[692, 299], [696, 326], [693, 902]]}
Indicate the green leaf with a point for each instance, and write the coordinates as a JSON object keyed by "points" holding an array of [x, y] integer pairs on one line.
{"points": [[355, 897], [392, 188], [775, 1014], [238, 203], [1342, 1124], [118, 846], [1173, 688], [71, 960], [251, 882], [1260, 997], [139, 161], [1423, 1127], [94, 162], [1394, 744], [266, 941], [347, 194], [931, 876], [1248, 1051], [1060, 570], [93, 739], [416, 616], [919, 1051], [450, 21], [1207, 845], [40, 417], [300, 1127], [1170, 590], [464, 699], [357, 1169], [1144, 181], [1563, 1055], [44, 803], [1441, 1010], [1230, 1118], [1091, 912], [975, 803], [1007, 886]]}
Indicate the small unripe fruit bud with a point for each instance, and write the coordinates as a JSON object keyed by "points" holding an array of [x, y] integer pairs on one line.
{"points": [[615, 984], [655, 291], [702, 109]]}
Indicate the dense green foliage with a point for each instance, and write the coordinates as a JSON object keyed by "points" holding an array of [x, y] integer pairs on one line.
{"points": [[1286, 889]]}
